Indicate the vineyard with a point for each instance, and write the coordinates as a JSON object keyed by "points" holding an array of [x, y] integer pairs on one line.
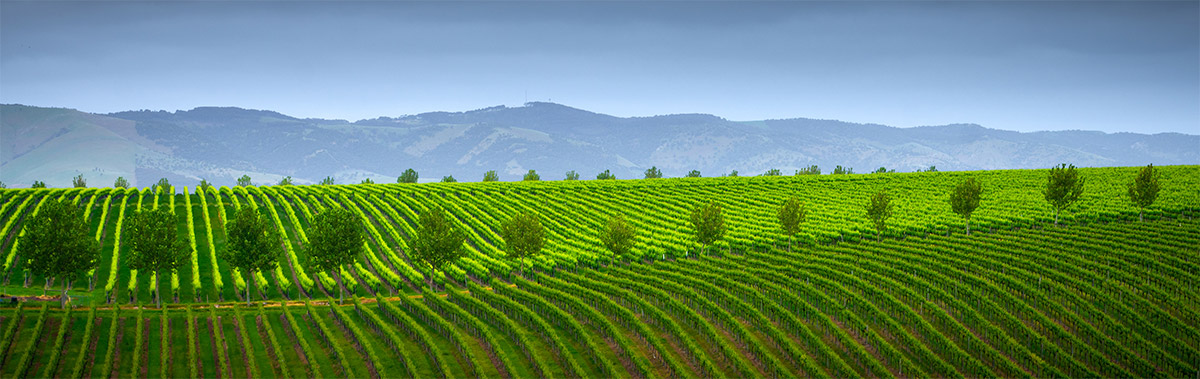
{"points": [[1101, 295]]}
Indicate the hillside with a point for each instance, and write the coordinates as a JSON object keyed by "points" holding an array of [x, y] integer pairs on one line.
{"points": [[221, 144], [1101, 296]]}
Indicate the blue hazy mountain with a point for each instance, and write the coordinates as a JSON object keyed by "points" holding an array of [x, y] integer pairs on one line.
{"points": [[222, 143]]}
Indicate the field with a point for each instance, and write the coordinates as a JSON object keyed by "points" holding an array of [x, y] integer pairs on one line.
{"points": [[1101, 295]]}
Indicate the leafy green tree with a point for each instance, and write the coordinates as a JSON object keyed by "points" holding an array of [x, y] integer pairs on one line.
{"points": [[205, 185], [883, 170], [364, 181], [653, 173], [1144, 189], [163, 185], [733, 174], [532, 176], [772, 172], [286, 181], [79, 181], [244, 181], [254, 244], [328, 181], [3, 186], [334, 241], [791, 215], [449, 179], [810, 170], [618, 236], [839, 170], [605, 176], [491, 176], [437, 241], [1063, 188], [879, 210], [121, 182], [932, 169], [57, 243], [708, 223], [572, 175], [409, 176], [38, 184], [693, 174], [523, 237], [965, 199], [155, 245]]}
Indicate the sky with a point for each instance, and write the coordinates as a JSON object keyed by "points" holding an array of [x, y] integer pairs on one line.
{"points": [[1017, 65]]}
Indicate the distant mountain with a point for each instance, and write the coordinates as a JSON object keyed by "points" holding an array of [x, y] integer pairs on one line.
{"points": [[221, 144]]}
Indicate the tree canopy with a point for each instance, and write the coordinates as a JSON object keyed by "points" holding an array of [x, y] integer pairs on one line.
{"points": [[572, 175], [693, 174], [286, 181], [1144, 189], [449, 179], [56, 243], [1064, 186], [618, 236], [708, 223], [523, 236], [244, 181], [79, 181], [335, 239], [254, 244], [491, 176], [437, 242], [409, 176], [791, 215], [879, 210], [810, 170], [772, 172], [532, 176], [965, 198], [155, 244], [121, 182], [653, 173], [605, 175]]}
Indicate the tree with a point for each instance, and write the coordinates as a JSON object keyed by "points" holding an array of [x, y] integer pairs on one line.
{"points": [[163, 185], [572, 175], [1063, 188], [491, 176], [254, 244], [121, 182], [364, 181], [58, 244], [523, 237], [334, 240], [618, 236], [328, 181], [733, 174], [3, 186], [155, 245], [772, 172], [965, 199], [79, 181], [839, 170], [38, 184], [244, 181], [791, 215], [810, 170], [409, 176], [286, 181], [883, 170], [449, 179], [653, 173], [708, 223], [1144, 189], [532, 176], [605, 175], [437, 241], [879, 210], [932, 169], [693, 174], [205, 185]]}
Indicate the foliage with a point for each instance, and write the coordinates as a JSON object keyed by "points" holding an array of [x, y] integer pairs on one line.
{"points": [[932, 169], [491, 176], [244, 181], [708, 223], [618, 236], [364, 181], [286, 181], [879, 210], [2, 185], [1144, 189], [523, 236], [335, 239], [883, 170], [38, 184], [205, 185], [733, 174], [531, 176], [572, 175], [57, 243], [693, 174], [155, 244], [121, 182], [409, 176], [254, 244], [327, 181], [839, 170], [162, 186], [965, 198], [79, 181], [437, 242], [653, 173], [791, 215], [605, 175], [772, 172], [810, 170], [1064, 186], [449, 179]]}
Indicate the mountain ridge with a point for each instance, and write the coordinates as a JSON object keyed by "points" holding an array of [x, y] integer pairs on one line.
{"points": [[222, 143]]}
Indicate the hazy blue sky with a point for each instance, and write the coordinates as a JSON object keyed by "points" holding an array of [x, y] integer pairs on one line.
{"points": [[1111, 66]]}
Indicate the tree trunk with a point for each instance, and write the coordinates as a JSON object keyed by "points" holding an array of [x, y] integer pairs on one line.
{"points": [[158, 288], [46, 287], [430, 278], [253, 281], [63, 299], [1140, 217], [1055, 217], [337, 277], [968, 226]]}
